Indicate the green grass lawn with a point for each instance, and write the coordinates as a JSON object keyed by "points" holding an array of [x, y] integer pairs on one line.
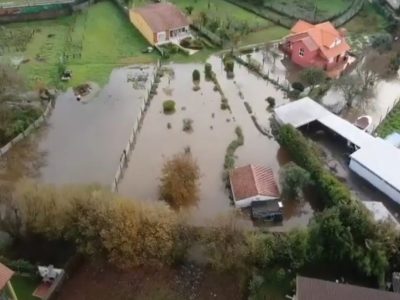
{"points": [[272, 33], [325, 8], [367, 21], [94, 42], [24, 287], [391, 123]]}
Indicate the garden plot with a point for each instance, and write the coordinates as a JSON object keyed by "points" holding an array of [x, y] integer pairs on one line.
{"points": [[84, 140], [162, 136]]}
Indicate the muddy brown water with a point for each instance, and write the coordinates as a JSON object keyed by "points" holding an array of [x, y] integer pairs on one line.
{"points": [[83, 141], [213, 130]]}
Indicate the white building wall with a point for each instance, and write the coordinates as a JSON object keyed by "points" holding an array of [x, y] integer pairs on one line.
{"points": [[247, 202], [377, 182]]}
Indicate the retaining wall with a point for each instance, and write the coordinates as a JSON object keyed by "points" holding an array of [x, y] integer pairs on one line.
{"points": [[28, 130], [137, 124]]}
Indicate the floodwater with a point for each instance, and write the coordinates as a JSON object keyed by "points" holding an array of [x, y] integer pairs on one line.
{"points": [[274, 63], [213, 130], [83, 141]]}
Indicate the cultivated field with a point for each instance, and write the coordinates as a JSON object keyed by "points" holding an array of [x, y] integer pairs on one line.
{"points": [[91, 44]]}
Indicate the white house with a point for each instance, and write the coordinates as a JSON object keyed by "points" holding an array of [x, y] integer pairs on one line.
{"points": [[253, 183]]}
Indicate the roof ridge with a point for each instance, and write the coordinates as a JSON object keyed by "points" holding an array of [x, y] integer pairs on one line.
{"points": [[253, 172]]}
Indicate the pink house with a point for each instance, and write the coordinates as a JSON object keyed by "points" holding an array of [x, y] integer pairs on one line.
{"points": [[320, 46]]}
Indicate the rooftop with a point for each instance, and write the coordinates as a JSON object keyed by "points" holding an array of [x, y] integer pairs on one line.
{"points": [[375, 154], [317, 289], [162, 16], [5, 275], [251, 181], [324, 36]]}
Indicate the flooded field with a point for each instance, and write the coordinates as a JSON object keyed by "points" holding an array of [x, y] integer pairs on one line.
{"points": [[83, 141], [213, 130]]}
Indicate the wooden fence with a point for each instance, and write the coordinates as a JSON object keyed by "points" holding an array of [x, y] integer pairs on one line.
{"points": [[135, 131], [28, 130]]}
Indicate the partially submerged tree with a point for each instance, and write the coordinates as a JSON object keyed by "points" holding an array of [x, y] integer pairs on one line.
{"points": [[293, 181], [179, 184], [312, 76]]}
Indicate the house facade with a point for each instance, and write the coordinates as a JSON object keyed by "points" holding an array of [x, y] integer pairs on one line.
{"points": [[253, 183], [160, 23], [320, 46]]}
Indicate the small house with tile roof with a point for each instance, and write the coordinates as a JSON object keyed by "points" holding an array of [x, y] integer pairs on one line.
{"points": [[320, 46], [160, 23], [253, 183]]}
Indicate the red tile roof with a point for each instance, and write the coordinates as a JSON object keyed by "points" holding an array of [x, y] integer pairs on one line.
{"points": [[324, 36], [5, 275], [250, 181], [317, 289], [162, 16]]}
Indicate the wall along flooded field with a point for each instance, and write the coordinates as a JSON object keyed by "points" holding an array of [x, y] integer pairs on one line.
{"points": [[83, 141], [213, 130]]}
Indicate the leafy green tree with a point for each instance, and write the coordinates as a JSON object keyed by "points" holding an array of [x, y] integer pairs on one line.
{"points": [[293, 180], [312, 76]]}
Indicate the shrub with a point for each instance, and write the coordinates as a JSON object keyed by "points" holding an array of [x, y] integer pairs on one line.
{"points": [[196, 75], [229, 65], [208, 73], [271, 101], [293, 180], [179, 181], [224, 104], [169, 106], [229, 163], [187, 125], [248, 107], [298, 86]]}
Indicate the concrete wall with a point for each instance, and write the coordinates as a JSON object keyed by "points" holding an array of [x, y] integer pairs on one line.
{"points": [[141, 25], [376, 181]]}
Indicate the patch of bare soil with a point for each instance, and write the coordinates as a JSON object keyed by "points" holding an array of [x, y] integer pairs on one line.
{"points": [[181, 283]]}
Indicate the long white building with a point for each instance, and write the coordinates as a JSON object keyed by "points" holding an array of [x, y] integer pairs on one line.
{"points": [[375, 160]]}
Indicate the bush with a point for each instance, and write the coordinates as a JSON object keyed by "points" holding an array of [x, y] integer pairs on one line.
{"points": [[19, 265], [293, 181], [271, 101], [208, 73], [169, 106], [196, 75], [187, 125], [298, 86], [229, 163], [229, 65], [248, 107], [179, 181], [224, 104]]}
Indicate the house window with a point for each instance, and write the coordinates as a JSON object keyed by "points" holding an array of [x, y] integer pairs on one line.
{"points": [[301, 52]]}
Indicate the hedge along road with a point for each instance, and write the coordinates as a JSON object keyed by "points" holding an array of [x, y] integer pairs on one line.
{"points": [[84, 140]]}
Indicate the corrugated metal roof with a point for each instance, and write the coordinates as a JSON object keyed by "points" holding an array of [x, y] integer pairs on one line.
{"points": [[375, 154], [394, 139]]}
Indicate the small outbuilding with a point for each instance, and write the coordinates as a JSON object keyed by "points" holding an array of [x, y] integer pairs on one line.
{"points": [[253, 183], [160, 23]]}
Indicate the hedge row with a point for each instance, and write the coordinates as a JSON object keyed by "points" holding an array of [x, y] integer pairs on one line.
{"points": [[307, 156], [19, 265]]}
